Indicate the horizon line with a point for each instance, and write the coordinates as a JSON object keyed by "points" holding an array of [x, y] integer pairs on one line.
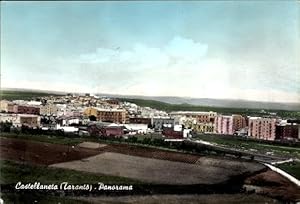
{"points": [[232, 99]]}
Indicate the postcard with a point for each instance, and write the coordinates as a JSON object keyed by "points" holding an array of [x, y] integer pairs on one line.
{"points": [[150, 102]]}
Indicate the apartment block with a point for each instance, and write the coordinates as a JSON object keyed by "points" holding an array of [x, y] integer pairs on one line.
{"points": [[23, 109], [287, 131], [30, 120], [228, 125], [199, 127], [201, 117], [139, 120], [4, 105], [159, 123], [108, 115], [11, 108], [239, 122], [49, 109], [262, 128]]}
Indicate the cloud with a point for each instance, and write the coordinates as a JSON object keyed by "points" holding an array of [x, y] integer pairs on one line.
{"points": [[185, 49], [178, 50], [143, 65], [181, 67]]}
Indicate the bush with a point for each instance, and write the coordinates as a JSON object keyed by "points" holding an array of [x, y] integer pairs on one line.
{"points": [[132, 139], [5, 126]]}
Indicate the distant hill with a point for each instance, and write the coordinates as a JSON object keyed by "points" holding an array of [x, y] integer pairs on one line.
{"points": [[288, 114], [222, 103], [48, 92], [21, 94], [228, 103]]}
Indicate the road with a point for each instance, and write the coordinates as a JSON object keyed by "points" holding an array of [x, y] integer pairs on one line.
{"points": [[269, 159]]}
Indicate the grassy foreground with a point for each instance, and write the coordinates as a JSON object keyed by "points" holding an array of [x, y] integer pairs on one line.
{"points": [[13, 172]]}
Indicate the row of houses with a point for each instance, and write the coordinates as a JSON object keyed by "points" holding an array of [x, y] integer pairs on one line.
{"points": [[205, 122], [6, 106], [29, 108], [265, 128]]}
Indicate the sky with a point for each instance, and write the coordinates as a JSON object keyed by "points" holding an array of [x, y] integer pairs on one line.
{"points": [[246, 50]]}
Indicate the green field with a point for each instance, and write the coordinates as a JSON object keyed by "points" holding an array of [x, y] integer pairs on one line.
{"points": [[75, 140], [55, 139], [262, 148], [291, 168], [247, 145], [72, 140], [22, 95]]}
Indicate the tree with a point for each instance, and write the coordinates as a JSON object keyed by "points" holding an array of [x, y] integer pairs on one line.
{"points": [[132, 139], [92, 118], [5, 126]]}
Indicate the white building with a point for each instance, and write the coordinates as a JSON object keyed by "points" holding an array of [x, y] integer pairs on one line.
{"points": [[34, 103], [18, 120], [139, 128], [67, 128], [187, 133]]}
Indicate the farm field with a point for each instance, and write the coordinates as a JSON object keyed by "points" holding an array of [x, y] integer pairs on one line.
{"points": [[91, 145], [13, 172], [283, 151], [162, 171], [53, 139], [48, 153], [134, 157], [41, 153], [149, 169], [149, 152], [135, 150]]}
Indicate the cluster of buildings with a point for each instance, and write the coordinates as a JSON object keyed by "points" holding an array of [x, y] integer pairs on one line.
{"points": [[92, 115], [265, 128]]}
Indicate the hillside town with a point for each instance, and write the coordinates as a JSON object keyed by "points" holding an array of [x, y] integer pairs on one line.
{"points": [[89, 115]]}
